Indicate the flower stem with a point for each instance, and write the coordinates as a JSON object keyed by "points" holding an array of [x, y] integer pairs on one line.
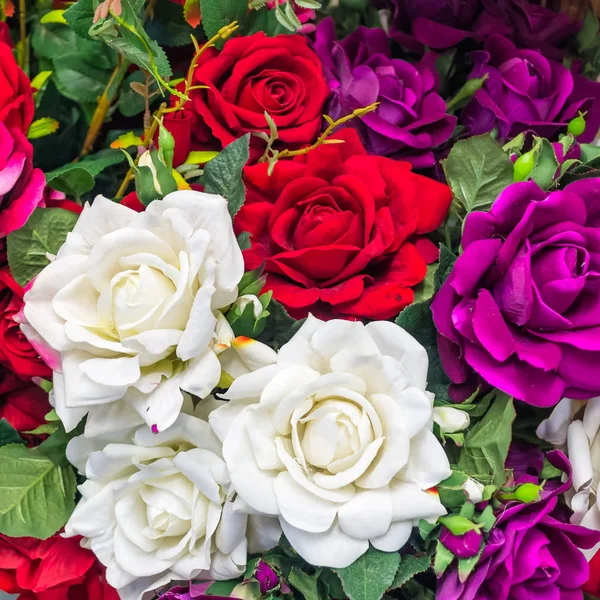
{"points": [[104, 103], [22, 51]]}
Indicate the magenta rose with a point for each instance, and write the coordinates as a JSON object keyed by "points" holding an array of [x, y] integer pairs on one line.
{"points": [[21, 186]]}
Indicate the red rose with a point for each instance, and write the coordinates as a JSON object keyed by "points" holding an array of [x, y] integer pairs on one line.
{"points": [[53, 569], [280, 75], [22, 403], [16, 353], [16, 97], [593, 583], [341, 233]]}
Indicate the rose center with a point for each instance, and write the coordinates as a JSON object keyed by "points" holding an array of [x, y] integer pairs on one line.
{"points": [[137, 299], [333, 432]]}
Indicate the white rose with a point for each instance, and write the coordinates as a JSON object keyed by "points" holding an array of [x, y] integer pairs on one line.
{"points": [[574, 427], [131, 303], [160, 508], [335, 440]]}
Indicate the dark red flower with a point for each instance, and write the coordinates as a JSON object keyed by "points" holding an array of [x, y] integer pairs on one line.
{"points": [[54, 569], [16, 352], [341, 233], [22, 403], [280, 75]]}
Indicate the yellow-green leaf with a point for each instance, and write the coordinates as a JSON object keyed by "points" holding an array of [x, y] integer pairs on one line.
{"points": [[200, 157], [54, 16], [42, 127], [127, 140], [40, 79]]}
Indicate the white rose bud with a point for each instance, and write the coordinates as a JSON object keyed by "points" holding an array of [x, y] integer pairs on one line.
{"points": [[451, 419], [246, 299], [474, 490]]}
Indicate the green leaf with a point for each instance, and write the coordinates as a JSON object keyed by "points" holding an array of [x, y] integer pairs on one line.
{"points": [[42, 127], [477, 170], [37, 496], [55, 447], [589, 152], [549, 471], [8, 434], [466, 565], [78, 79], [266, 21], [75, 179], [243, 240], [446, 262], [306, 584], [45, 429], [424, 290], [486, 445], [168, 26], [368, 577], [80, 16], [130, 102], [218, 14], [546, 164], [223, 174], [333, 582], [487, 518], [223, 588], [409, 567], [458, 525], [280, 326], [451, 492], [588, 34], [443, 559], [128, 46], [44, 233]]}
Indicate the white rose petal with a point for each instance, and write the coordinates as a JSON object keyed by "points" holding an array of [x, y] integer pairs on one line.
{"points": [[335, 440], [131, 304], [157, 508]]}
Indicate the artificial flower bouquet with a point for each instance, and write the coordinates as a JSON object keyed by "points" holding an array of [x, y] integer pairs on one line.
{"points": [[299, 300]]}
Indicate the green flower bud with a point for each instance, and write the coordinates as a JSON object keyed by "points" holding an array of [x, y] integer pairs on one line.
{"points": [[524, 165]]}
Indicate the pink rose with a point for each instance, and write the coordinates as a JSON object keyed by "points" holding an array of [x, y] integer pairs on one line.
{"points": [[21, 186]]}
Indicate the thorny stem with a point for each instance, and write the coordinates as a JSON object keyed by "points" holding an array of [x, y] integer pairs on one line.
{"points": [[222, 34], [153, 68], [104, 103], [149, 132], [359, 112]]}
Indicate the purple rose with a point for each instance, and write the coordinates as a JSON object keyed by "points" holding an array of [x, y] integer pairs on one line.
{"points": [[528, 25], [525, 461], [526, 91], [21, 186], [441, 24], [411, 118], [521, 306], [436, 24], [530, 553]]}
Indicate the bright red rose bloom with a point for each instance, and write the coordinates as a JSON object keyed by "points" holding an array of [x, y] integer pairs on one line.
{"points": [[16, 96], [53, 569], [254, 74], [22, 403], [16, 353], [341, 233]]}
